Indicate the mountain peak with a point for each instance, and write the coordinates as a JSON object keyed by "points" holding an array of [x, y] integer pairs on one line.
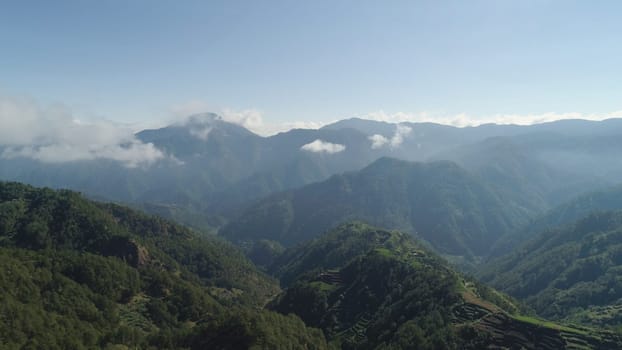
{"points": [[202, 124], [366, 126], [206, 118]]}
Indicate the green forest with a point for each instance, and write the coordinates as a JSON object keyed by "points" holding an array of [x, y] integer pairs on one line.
{"points": [[82, 275], [79, 274]]}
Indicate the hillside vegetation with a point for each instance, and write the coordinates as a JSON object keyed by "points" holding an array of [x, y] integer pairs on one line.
{"points": [[570, 272], [377, 289], [438, 202], [213, 169], [78, 274], [607, 199]]}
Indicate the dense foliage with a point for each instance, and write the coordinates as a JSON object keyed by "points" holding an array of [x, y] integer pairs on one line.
{"points": [[244, 329], [82, 275], [376, 289], [438, 202], [570, 272], [367, 286], [566, 213], [78, 274]]}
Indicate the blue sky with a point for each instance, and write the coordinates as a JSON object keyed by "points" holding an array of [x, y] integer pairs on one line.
{"points": [[138, 61]]}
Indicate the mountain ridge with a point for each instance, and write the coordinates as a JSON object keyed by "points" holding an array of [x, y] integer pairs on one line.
{"points": [[379, 289], [391, 193], [209, 161]]}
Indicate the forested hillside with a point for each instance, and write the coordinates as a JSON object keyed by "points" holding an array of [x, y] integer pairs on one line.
{"points": [[211, 169], [606, 199], [310, 175], [376, 289], [78, 274], [438, 202], [570, 272]]}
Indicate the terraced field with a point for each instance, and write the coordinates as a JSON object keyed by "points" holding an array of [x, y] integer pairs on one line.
{"points": [[506, 331]]}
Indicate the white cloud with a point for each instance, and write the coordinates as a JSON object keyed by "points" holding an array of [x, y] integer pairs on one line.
{"points": [[275, 128], [464, 119], [200, 123], [378, 141], [401, 131], [319, 146], [183, 110], [54, 134], [201, 132], [251, 118]]}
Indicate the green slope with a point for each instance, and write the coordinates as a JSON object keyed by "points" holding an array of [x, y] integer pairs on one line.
{"points": [[570, 272], [566, 213], [368, 288], [82, 275], [437, 202]]}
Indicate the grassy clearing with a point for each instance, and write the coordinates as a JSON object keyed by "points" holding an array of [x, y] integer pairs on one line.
{"points": [[134, 313], [385, 252], [323, 286], [469, 297], [548, 324]]}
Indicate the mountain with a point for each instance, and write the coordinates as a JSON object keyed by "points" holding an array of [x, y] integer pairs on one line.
{"points": [[211, 166], [439, 202], [369, 288], [201, 134], [607, 199], [470, 134], [540, 165], [510, 169], [84, 274], [425, 139], [78, 274], [569, 272], [366, 126], [214, 169], [284, 165]]}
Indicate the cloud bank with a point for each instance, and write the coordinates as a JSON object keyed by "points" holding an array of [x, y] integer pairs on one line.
{"points": [[54, 135], [464, 119], [401, 131], [201, 133], [252, 119], [378, 141], [320, 146]]}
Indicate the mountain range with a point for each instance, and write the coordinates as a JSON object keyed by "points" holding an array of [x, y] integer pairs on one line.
{"points": [[437, 202], [369, 288], [82, 274], [214, 168], [357, 235], [567, 273]]}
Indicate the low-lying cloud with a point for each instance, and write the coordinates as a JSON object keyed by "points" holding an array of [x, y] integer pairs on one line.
{"points": [[54, 135], [320, 146], [464, 119], [201, 133], [378, 141], [252, 119], [401, 131]]}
